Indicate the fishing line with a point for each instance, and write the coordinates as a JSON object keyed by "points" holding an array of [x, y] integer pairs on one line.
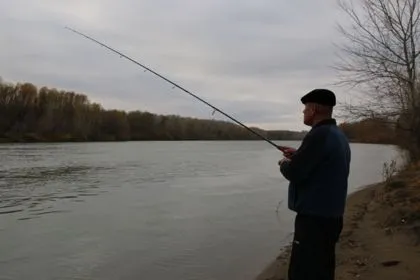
{"points": [[281, 148]]}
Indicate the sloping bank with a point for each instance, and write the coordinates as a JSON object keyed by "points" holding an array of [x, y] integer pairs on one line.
{"points": [[381, 234]]}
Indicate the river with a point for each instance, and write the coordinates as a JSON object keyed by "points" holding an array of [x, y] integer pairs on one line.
{"points": [[149, 210]]}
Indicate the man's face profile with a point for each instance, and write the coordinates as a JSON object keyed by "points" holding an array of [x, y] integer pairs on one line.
{"points": [[308, 114]]}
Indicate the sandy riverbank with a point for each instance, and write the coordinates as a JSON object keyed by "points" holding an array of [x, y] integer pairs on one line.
{"points": [[381, 234]]}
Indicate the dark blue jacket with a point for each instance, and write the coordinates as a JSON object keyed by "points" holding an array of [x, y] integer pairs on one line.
{"points": [[318, 172]]}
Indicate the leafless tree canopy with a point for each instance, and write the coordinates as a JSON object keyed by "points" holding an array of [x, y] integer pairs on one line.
{"points": [[380, 59]]}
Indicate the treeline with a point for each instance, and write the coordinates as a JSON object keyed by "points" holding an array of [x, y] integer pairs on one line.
{"points": [[372, 130], [30, 114], [285, 134]]}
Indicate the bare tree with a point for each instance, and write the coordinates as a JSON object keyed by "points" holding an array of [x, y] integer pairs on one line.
{"points": [[380, 60]]}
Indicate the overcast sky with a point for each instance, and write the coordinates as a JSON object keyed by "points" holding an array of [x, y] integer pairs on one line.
{"points": [[254, 59]]}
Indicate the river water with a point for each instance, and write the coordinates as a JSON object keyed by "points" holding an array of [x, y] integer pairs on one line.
{"points": [[149, 210]]}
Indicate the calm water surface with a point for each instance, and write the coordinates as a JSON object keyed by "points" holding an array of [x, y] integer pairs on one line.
{"points": [[149, 210]]}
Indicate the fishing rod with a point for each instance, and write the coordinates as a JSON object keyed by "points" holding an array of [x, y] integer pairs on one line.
{"points": [[281, 148]]}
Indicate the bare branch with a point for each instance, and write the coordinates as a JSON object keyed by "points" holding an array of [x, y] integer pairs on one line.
{"points": [[381, 55]]}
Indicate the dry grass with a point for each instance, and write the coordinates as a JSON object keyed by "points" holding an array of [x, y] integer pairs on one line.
{"points": [[399, 200]]}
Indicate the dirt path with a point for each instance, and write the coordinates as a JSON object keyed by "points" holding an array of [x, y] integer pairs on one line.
{"points": [[376, 242]]}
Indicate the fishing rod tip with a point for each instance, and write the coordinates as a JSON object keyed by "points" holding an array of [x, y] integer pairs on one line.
{"points": [[69, 28]]}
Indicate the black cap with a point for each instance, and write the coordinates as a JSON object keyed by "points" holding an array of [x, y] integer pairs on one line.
{"points": [[320, 96]]}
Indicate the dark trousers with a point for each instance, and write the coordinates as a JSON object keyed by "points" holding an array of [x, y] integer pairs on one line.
{"points": [[313, 249]]}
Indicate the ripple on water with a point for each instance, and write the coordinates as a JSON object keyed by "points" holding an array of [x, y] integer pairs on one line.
{"points": [[29, 192]]}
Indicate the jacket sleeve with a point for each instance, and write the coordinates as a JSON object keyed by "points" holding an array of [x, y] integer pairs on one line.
{"points": [[307, 157]]}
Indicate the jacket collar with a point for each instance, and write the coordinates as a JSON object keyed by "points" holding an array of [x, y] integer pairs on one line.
{"points": [[326, 122]]}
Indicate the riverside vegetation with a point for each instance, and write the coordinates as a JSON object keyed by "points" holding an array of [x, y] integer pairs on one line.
{"points": [[47, 114], [32, 114]]}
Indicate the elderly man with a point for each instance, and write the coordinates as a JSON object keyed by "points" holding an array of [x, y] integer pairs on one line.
{"points": [[318, 174]]}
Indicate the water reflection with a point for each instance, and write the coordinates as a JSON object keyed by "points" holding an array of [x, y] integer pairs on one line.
{"points": [[170, 210], [30, 190]]}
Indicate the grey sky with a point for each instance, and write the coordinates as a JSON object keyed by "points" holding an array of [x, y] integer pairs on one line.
{"points": [[254, 59]]}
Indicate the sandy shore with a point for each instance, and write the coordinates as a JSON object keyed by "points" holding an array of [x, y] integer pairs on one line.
{"points": [[381, 234]]}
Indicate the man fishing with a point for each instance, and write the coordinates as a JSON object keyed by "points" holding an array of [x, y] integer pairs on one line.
{"points": [[318, 177], [317, 172]]}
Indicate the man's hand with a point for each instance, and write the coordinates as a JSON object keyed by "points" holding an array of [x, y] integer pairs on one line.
{"points": [[288, 153], [283, 160]]}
